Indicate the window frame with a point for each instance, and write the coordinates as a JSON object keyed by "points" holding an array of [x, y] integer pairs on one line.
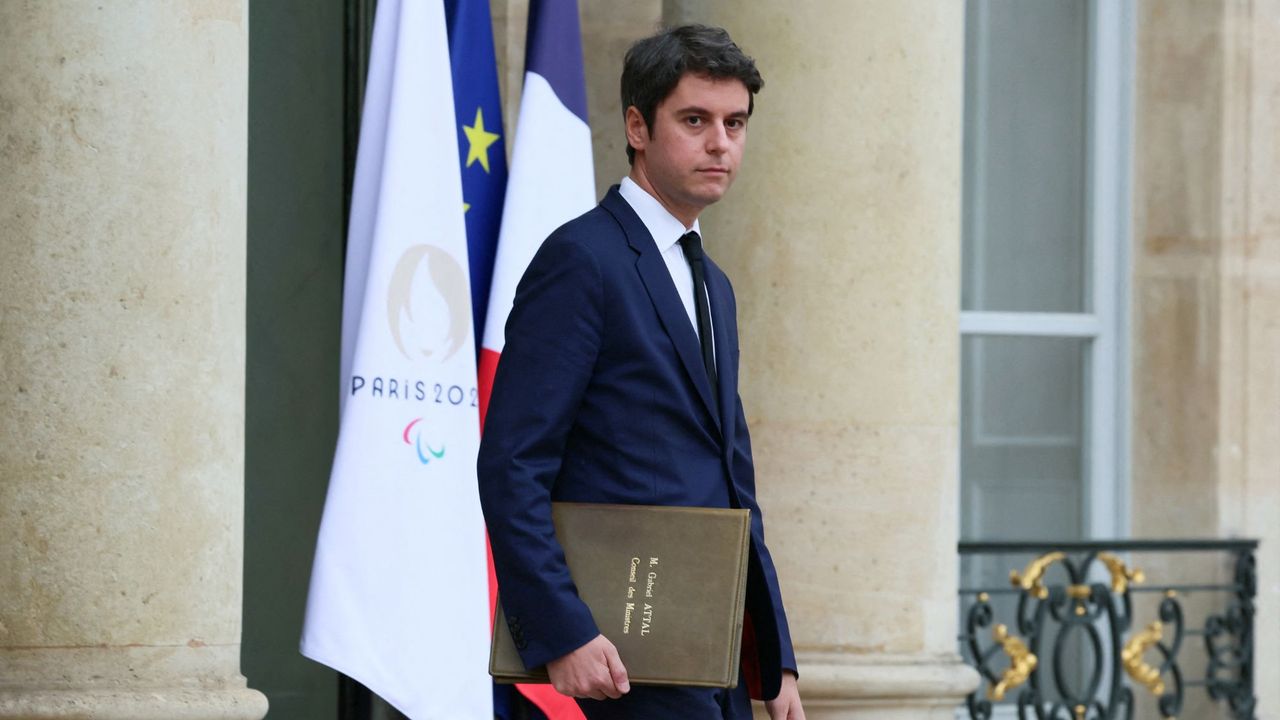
{"points": [[1108, 236]]}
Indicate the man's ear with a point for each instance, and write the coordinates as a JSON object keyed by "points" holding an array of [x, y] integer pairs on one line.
{"points": [[637, 130]]}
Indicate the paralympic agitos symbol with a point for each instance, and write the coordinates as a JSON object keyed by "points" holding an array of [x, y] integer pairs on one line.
{"points": [[418, 445]]}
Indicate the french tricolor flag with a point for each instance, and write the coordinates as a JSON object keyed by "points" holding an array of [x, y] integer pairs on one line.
{"points": [[551, 181]]}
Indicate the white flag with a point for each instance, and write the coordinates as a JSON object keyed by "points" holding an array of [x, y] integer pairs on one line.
{"points": [[399, 587]]}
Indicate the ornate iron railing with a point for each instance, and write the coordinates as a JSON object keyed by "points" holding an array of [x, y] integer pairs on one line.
{"points": [[1079, 629]]}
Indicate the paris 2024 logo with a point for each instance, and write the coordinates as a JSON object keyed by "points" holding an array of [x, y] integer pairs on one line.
{"points": [[429, 318]]}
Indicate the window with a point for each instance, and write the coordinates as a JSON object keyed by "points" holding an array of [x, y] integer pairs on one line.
{"points": [[1046, 225]]}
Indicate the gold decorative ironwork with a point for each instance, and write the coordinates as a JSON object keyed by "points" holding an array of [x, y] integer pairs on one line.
{"points": [[1092, 590], [1079, 592], [1135, 666], [1121, 574], [1031, 579], [1022, 662]]}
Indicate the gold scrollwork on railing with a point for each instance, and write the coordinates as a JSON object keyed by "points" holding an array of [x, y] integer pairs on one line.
{"points": [[1022, 662], [1134, 665], [1121, 575], [1031, 579]]}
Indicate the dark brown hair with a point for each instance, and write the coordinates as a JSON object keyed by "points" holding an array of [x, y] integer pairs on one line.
{"points": [[653, 67]]}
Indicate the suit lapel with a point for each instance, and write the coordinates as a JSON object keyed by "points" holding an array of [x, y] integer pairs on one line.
{"points": [[662, 292]]}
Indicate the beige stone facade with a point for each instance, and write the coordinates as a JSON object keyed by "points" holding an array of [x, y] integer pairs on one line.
{"points": [[1206, 289], [122, 249]]}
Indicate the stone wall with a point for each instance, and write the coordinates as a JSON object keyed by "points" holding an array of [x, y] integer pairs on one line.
{"points": [[1206, 288], [122, 281]]}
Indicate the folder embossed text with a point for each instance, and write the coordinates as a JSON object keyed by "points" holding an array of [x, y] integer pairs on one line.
{"points": [[666, 585]]}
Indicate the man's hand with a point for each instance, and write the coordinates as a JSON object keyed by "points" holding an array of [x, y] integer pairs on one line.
{"points": [[787, 705], [593, 671]]}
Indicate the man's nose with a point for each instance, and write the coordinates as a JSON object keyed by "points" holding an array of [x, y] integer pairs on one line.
{"points": [[717, 139]]}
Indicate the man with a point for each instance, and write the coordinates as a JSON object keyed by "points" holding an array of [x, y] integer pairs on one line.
{"points": [[619, 384]]}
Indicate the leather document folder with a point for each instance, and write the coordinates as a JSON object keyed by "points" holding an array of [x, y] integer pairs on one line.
{"points": [[666, 585]]}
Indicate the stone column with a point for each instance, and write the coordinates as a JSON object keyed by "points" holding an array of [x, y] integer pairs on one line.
{"points": [[122, 280], [1206, 299], [842, 238]]}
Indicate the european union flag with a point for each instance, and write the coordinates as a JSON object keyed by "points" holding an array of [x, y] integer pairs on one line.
{"points": [[481, 152]]}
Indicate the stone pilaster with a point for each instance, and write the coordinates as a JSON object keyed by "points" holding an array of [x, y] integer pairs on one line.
{"points": [[122, 280], [842, 238], [1206, 295]]}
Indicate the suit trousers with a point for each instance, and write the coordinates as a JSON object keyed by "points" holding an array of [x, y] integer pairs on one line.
{"points": [[667, 702]]}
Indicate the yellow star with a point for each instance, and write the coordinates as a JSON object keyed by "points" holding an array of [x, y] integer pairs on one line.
{"points": [[479, 140], [465, 207]]}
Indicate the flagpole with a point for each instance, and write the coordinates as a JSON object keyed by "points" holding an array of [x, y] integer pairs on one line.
{"points": [[358, 38], [355, 701]]}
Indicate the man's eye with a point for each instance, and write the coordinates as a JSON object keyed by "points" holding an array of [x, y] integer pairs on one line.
{"points": [[735, 124], [694, 120]]}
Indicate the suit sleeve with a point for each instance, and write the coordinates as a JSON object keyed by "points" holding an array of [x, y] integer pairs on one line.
{"points": [[553, 336], [769, 617]]}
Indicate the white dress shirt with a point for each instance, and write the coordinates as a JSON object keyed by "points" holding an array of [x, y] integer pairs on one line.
{"points": [[667, 231]]}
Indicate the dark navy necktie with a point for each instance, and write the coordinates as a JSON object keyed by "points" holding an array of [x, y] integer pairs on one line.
{"points": [[692, 246]]}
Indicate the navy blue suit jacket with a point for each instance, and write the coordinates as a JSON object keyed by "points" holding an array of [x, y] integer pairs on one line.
{"points": [[601, 396]]}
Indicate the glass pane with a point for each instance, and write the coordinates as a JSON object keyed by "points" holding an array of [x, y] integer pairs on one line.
{"points": [[1022, 438], [1026, 114]]}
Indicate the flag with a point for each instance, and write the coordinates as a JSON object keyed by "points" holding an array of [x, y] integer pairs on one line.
{"points": [[552, 181], [482, 157], [398, 586], [482, 153]]}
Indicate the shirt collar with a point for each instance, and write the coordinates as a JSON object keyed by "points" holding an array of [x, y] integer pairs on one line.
{"points": [[662, 225]]}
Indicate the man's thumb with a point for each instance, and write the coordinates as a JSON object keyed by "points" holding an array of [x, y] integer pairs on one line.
{"points": [[616, 669]]}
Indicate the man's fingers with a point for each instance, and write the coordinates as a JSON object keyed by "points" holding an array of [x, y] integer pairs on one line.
{"points": [[789, 710], [617, 671], [779, 710], [592, 671], [605, 679]]}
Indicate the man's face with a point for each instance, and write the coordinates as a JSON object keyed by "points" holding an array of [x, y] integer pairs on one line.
{"points": [[691, 154]]}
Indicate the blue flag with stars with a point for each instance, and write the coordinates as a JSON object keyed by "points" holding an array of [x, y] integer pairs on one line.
{"points": [[483, 158], [481, 151]]}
